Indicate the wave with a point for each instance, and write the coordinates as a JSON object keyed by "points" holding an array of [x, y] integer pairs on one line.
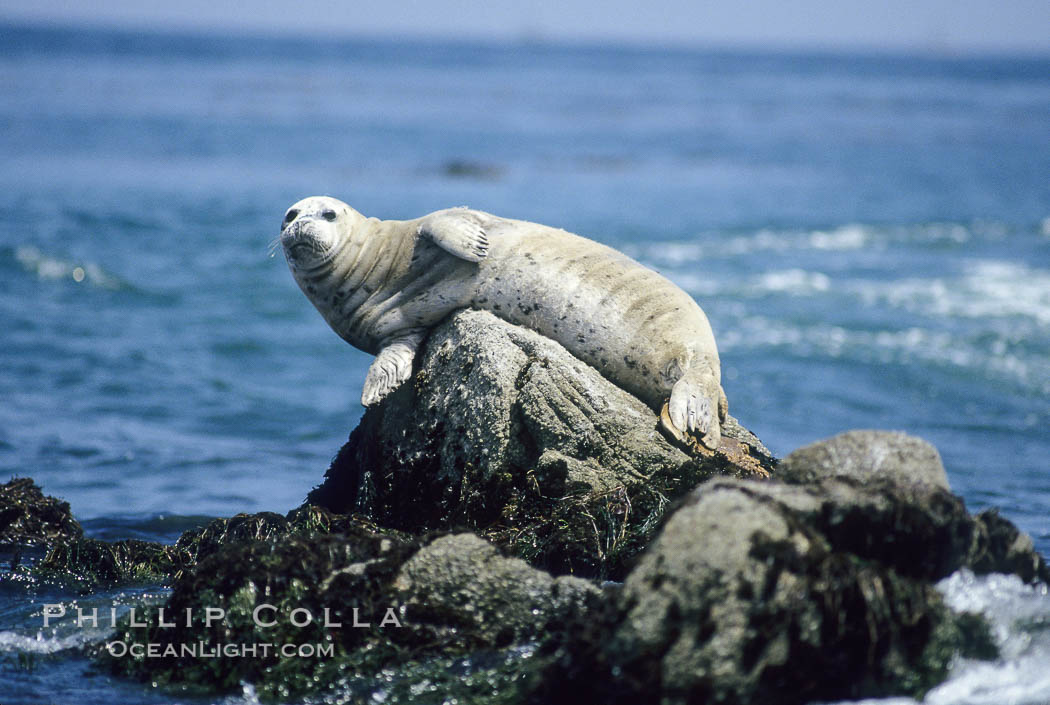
{"points": [[709, 246], [706, 246], [993, 356], [986, 289], [1019, 616]]}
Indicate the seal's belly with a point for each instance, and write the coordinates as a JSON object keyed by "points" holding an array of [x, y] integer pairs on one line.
{"points": [[626, 320]]}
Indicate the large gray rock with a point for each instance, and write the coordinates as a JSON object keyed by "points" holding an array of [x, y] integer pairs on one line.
{"points": [[760, 592], [743, 601], [503, 431], [866, 456]]}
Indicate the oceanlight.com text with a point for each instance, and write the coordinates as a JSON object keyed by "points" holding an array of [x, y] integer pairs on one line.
{"points": [[200, 649]]}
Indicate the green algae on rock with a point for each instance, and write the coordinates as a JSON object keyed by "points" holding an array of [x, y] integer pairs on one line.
{"points": [[346, 604], [29, 518], [340, 573], [86, 564], [1000, 547], [307, 520]]}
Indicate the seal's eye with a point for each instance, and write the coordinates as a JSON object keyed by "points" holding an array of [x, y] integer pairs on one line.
{"points": [[291, 215], [328, 215]]}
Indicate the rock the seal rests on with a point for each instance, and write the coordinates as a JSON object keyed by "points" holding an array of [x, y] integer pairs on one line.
{"points": [[383, 284]]}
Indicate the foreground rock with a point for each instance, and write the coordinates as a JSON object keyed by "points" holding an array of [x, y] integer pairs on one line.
{"points": [[909, 469], [761, 592], [380, 606], [502, 431]]}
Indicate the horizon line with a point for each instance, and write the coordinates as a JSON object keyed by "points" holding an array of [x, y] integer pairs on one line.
{"points": [[931, 50]]}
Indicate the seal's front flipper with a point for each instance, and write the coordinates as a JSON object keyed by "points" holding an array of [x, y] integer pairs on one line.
{"points": [[694, 414], [392, 366], [458, 231]]}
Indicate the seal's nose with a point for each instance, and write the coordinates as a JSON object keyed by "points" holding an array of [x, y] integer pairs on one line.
{"points": [[293, 230]]}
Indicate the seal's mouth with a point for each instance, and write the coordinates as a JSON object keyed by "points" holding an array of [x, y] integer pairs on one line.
{"points": [[305, 248], [301, 242], [299, 250]]}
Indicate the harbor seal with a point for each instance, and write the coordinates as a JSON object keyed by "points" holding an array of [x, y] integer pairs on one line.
{"points": [[382, 284]]}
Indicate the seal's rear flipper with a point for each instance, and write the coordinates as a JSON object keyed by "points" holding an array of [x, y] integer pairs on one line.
{"points": [[693, 415]]}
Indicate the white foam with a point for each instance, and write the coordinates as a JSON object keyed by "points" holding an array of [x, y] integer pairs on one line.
{"points": [[904, 346], [986, 289], [793, 281], [1010, 302], [247, 696], [844, 238], [40, 644], [1019, 616]]}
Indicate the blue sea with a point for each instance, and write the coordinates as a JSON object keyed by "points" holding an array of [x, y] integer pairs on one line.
{"points": [[869, 235]]}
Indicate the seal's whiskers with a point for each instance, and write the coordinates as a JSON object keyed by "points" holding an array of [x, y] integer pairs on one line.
{"points": [[274, 244]]}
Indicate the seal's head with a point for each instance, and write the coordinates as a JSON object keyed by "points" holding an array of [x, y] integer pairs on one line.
{"points": [[314, 229]]}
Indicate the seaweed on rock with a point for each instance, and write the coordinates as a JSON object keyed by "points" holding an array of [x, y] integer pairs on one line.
{"points": [[349, 605]]}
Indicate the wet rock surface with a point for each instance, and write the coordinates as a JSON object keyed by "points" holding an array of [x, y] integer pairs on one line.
{"points": [[503, 432]]}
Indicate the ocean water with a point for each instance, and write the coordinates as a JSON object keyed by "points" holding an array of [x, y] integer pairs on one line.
{"points": [[869, 235]]}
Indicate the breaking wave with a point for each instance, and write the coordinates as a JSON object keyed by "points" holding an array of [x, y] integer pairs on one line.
{"points": [[1019, 616]]}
